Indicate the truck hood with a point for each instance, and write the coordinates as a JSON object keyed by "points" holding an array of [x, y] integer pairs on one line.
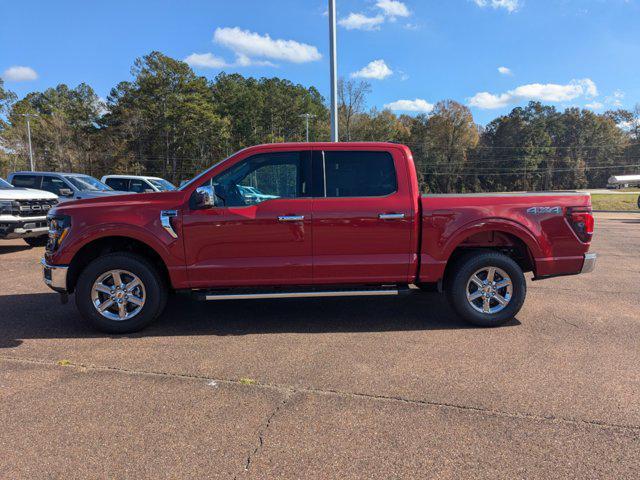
{"points": [[25, 194], [161, 200]]}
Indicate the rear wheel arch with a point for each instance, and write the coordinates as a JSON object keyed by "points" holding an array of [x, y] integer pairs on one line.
{"points": [[516, 246], [114, 244]]}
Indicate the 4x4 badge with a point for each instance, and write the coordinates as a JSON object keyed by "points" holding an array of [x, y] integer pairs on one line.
{"points": [[545, 210]]}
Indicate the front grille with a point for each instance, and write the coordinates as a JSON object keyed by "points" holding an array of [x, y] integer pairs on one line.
{"points": [[33, 208]]}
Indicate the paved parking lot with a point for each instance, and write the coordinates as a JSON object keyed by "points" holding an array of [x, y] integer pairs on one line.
{"points": [[331, 388]]}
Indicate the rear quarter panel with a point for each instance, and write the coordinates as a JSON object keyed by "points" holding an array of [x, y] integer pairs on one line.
{"points": [[448, 220]]}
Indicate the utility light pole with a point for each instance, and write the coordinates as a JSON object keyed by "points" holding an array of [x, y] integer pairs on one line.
{"points": [[307, 116], [28, 116], [333, 48]]}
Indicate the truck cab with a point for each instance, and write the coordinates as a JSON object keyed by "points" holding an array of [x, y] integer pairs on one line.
{"points": [[66, 186], [329, 219]]}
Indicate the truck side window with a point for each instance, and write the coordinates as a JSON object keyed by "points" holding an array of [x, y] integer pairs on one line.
{"points": [[260, 178], [137, 185], [359, 174], [120, 184], [53, 184], [26, 181]]}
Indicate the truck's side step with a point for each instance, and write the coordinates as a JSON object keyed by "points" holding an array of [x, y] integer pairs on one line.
{"points": [[244, 294]]}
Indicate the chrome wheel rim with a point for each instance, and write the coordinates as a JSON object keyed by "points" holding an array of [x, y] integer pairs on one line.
{"points": [[489, 290], [118, 295]]}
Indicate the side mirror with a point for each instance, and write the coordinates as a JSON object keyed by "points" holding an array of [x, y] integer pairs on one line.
{"points": [[66, 192], [204, 197]]}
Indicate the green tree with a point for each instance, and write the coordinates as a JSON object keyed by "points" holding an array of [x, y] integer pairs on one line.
{"points": [[442, 142]]}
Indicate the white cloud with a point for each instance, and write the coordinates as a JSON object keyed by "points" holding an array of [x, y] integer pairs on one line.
{"points": [[417, 105], [247, 45], [393, 8], [548, 92], [358, 21], [19, 74], [615, 99], [505, 71], [206, 60], [629, 124], [377, 70], [594, 105], [508, 5]]}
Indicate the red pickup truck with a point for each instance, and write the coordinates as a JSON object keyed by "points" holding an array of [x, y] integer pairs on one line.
{"points": [[312, 220]]}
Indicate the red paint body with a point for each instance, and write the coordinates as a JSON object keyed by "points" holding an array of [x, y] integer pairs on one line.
{"points": [[340, 240]]}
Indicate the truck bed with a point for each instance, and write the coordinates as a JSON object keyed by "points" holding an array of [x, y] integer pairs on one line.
{"points": [[536, 223]]}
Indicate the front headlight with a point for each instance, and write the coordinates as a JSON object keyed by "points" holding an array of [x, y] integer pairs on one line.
{"points": [[59, 226]]}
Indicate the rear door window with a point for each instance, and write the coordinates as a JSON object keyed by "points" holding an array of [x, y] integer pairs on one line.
{"points": [[26, 181], [121, 184], [359, 174]]}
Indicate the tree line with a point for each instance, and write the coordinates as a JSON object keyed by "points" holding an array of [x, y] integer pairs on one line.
{"points": [[170, 122]]}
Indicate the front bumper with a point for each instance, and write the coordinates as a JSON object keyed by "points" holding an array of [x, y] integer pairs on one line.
{"points": [[14, 227], [589, 264], [55, 276]]}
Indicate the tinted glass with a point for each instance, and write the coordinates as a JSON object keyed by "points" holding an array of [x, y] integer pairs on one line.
{"points": [[359, 174], [121, 184], [261, 178], [26, 181], [53, 184], [138, 186]]}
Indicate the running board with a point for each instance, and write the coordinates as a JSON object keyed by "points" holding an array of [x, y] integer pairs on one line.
{"points": [[264, 295]]}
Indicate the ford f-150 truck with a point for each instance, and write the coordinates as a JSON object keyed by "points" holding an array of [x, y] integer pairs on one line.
{"points": [[334, 219], [23, 213]]}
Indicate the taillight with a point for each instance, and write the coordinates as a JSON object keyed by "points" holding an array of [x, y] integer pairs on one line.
{"points": [[582, 222]]}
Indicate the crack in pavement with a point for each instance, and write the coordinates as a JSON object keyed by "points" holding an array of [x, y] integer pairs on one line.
{"points": [[263, 430], [289, 391]]}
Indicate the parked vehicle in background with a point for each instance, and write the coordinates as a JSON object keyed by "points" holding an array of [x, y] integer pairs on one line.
{"points": [[23, 213], [342, 219], [253, 195], [67, 186], [137, 184], [623, 181]]}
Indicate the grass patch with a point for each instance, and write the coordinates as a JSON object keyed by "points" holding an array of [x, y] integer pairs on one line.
{"points": [[247, 381], [64, 363], [617, 202]]}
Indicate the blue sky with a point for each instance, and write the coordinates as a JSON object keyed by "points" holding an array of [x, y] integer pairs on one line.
{"points": [[414, 52]]}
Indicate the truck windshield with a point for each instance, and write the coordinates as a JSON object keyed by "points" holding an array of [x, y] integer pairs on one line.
{"points": [[162, 184], [85, 183], [4, 184]]}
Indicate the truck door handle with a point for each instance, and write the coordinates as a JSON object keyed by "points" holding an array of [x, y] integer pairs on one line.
{"points": [[291, 218], [391, 216]]}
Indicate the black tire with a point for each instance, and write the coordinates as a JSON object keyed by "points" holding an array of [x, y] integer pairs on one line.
{"points": [[155, 292], [37, 241], [462, 271]]}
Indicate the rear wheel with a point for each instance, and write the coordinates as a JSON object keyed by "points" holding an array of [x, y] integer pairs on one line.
{"points": [[37, 241], [486, 288], [120, 293]]}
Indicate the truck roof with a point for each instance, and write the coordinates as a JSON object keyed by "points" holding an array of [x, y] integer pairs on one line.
{"points": [[142, 177], [28, 172]]}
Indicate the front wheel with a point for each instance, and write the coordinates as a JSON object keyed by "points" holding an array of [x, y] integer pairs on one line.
{"points": [[486, 288], [120, 293]]}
